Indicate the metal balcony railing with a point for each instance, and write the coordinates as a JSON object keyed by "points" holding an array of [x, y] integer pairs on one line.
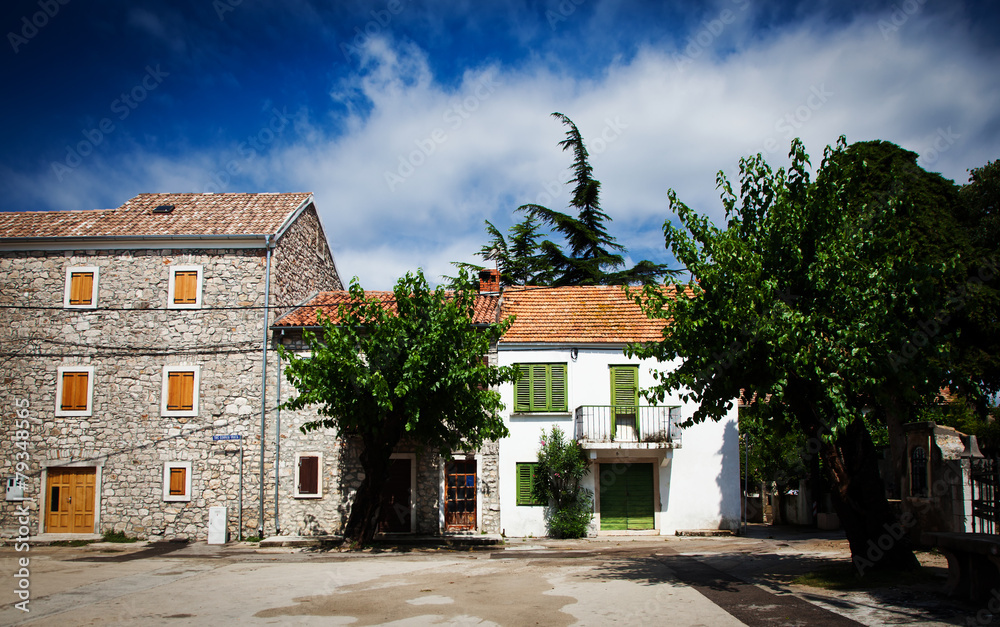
{"points": [[621, 424]]}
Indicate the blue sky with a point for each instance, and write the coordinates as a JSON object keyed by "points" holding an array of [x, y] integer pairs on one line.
{"points": [[412, 122]]}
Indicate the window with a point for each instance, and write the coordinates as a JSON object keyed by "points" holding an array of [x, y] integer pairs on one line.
{"points": [[81, 287], [184, 291], [542, 387], [525, 484], [918, 472], [74, 390], [177, 481], [308, 475], [179, 396]]}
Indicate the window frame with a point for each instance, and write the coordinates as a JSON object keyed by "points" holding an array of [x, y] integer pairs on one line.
{"points": [[60, 371], [319, 475], [177, 498], [520, 499], [171, 288], [528, 374], [68, 290], [165, 390]]}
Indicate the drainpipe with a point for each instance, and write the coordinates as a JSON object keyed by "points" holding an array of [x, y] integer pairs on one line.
{"points": [[277, 445], [268, 245]]}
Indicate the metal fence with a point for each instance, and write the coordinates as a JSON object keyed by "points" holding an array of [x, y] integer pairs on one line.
{"points": [[632, 424], [985, 479]]}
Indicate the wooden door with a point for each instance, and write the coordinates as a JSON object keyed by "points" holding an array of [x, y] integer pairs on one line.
{"points": [[460, 494], [70, 500], [394, 515], [627, 499]]}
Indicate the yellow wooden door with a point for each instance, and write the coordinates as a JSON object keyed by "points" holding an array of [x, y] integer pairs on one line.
{"points": [[70, 493]]}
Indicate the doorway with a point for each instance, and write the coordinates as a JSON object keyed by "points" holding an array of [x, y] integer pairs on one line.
{"points": [[70, 500], [460, 495]]}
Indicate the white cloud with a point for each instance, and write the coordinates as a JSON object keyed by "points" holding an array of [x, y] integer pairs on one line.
{"points": [[405, 169]]}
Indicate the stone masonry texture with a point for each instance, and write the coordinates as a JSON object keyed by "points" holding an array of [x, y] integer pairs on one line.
{"points": [[128, 340]]}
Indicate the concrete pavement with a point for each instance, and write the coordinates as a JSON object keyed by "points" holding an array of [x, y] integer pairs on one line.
{"points": [[676, 581]]}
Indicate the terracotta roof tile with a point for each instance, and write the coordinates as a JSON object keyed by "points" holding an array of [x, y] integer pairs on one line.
{"points": [[484, 311], [576, 314], [193, 214]]}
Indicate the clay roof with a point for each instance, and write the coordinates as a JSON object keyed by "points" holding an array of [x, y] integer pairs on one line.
{"points": [[193, 214], [484, 311], [576, 314]]}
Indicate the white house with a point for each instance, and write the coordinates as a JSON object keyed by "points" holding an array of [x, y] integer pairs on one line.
{"points": [[647, 475]]}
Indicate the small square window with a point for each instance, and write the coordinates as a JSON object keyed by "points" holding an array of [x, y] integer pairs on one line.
{"points": [[179, 396], [184, 291], [74, 390], [308, 475], [177, 481], [81, 287]]}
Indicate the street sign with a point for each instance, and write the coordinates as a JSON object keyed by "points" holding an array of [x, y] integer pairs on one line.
{"points": [[226, 437]]}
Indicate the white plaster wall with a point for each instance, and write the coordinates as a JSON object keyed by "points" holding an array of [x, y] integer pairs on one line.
{"points": [[698, 483]]}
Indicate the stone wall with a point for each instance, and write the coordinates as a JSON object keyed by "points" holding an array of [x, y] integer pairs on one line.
{"points": [[128, 340], [302, 263], [342, 473]]}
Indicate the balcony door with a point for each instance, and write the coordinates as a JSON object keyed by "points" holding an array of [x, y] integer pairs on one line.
{"points": [[624, 400]]}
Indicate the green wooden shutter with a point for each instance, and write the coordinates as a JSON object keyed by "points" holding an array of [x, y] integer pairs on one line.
{"points": [[539, 387], [525, 481], [557, 387], [542, 387], [522, 390], [624, 394]]}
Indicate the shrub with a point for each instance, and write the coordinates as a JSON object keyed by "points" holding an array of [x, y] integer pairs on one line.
{"points": [[561, 466]]}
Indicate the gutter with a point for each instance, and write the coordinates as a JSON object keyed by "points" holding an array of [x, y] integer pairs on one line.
{"points": [[268, 246]]}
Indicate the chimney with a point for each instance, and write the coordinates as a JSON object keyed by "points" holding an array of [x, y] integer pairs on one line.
{"points": [[489, 281]]}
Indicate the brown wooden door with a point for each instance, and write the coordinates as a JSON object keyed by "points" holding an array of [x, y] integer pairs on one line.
{"points": [[70, 500], [460, 494], [394, 515]]}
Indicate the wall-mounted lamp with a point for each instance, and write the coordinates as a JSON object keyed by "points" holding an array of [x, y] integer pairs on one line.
{"points": [[574, 353]]}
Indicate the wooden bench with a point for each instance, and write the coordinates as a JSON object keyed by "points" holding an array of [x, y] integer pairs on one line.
{"points": [[973, 562]]}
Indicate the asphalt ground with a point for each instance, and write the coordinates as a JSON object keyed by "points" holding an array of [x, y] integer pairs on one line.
{"points": [[630, 581]]}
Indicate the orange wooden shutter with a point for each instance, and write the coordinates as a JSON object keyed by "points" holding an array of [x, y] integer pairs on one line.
{"points": [[74, 391], [81, 288], [185, 287], [178, 481], [180, 391]]}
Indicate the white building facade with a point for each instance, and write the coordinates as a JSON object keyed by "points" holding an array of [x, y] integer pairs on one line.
{"points": [[647, 475]]}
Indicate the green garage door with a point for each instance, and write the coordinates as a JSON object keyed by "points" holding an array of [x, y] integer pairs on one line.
{"points": [[626, 496]]}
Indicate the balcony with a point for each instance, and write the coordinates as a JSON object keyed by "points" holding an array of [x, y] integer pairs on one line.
{"points": [[627, 427]]}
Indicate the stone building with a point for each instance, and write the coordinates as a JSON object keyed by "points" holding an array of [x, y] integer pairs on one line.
{"points": [[318, 472], [134, 362]]}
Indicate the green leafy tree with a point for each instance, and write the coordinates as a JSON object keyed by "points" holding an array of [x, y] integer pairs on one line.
{"points": [[813, 296], [516, 256], [978, 347], [407, 369], [592, 255], [562, 464]]}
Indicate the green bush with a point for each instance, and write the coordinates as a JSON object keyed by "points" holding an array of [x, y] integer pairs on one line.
{"points": [[573, 520], [561, 466], [118, 536]]}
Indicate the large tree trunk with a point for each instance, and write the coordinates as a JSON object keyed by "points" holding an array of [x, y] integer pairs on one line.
{"points": [[375, 458], [878, 540]]}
